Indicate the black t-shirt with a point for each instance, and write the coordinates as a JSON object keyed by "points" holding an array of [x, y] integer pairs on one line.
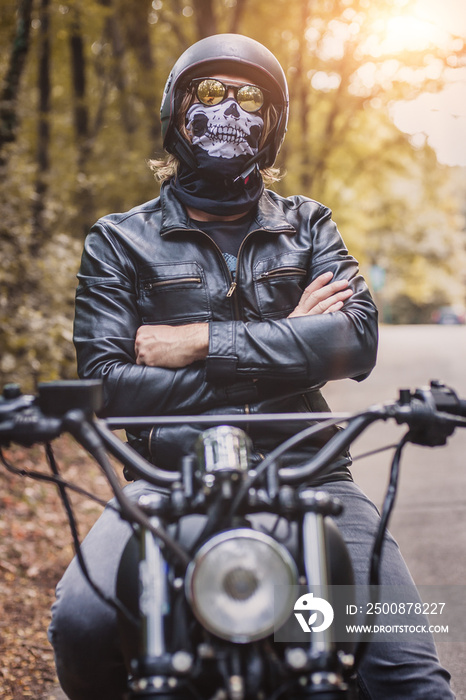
{"points": [[228, 235]]}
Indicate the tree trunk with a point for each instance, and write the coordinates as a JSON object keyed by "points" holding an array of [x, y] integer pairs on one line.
{"points": [[113, 34], [206, 21], [303, 91], [78, 74], [84, 197], [134, 19], [238, 13], [8, 100], [43, 130]]}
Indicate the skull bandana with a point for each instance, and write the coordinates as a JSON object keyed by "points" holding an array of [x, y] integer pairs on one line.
{"points": [[223, 139], [225, 130]]}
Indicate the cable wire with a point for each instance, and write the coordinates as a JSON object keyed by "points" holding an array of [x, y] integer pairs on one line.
{"points": [[114, 603], [62, 486], [275, 454], [388, 503], [89, 438], [57, 480]]}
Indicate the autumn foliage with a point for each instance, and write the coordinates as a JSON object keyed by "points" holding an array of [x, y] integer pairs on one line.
{"points": [[79, 100]]}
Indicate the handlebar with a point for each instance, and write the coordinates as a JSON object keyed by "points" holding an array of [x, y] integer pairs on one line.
{"points": [[431, 414], [27, 420]]}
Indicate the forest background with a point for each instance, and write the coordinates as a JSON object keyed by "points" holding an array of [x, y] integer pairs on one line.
{"points": [[81, 82], [79, 118]]}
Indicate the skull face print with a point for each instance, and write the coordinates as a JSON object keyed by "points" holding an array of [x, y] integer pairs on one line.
{"points": [[224, 130]]}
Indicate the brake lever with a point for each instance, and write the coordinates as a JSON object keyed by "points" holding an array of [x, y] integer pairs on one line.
{"points": [[428, 413]]}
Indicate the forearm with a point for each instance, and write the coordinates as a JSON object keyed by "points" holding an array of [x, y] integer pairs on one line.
{"points": [[104, 332], [311, 349], [135, 390]]}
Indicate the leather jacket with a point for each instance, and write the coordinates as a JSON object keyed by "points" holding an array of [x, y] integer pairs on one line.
{"points": [[154, 265]]}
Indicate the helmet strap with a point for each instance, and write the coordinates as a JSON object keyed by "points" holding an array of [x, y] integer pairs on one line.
{"points": [[251, 167], [182, 150]]}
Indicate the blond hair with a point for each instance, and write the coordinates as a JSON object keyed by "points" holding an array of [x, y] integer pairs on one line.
{"points": [[165, 168]]}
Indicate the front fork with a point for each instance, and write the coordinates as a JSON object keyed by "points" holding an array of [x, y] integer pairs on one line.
{"points": [[155, 674], [158, 675], [321, 667]]}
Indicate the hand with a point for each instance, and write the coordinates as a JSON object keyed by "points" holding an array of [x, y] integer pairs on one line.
{"points": [[322, 296], [171, 347]]}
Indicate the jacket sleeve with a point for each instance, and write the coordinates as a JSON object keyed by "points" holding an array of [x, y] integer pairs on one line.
{"points": [[106, 321], [309, 350]]}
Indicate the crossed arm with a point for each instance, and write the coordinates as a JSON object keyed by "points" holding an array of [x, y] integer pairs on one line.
{"points": [[174, 347]]}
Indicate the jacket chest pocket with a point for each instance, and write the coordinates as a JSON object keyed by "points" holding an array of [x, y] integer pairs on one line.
{"points": [[279, 283], [173, 293]]}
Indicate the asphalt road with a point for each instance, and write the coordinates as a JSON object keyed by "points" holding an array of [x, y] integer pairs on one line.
{"points": [[429, 520]]}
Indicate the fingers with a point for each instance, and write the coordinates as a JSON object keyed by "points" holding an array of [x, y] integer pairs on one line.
{"points": [[315, 291], [150, 344], [142, 344], [335, 307], [322, 296], [318, 283], [171, 347], [327, 305]]}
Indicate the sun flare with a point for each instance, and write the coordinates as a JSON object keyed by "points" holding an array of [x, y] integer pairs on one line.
{"points": [[409, 32]]}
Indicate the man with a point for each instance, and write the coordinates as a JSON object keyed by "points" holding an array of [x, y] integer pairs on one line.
{"points": [[221, 296]]}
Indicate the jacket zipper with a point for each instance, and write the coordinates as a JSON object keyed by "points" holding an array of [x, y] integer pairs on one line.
{"points": [[233, 283], [281, 272], [150, 285], [229, 276]]}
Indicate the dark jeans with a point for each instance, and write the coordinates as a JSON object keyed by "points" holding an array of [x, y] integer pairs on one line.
{"points": [[85, 639]]}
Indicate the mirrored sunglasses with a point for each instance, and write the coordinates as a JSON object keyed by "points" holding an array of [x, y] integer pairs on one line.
{"points": [[211, 92]]}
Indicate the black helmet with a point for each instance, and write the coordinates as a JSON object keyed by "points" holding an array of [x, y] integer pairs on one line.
{"points": [[216, 54]]}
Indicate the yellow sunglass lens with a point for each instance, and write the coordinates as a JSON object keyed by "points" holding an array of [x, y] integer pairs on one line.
{"points": [[250, 98], [210, 92]]}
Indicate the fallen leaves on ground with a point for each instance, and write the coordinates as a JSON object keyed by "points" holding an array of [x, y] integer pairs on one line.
{"points": [[35, 548]]}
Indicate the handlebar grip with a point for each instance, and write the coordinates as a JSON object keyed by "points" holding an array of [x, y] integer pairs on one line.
{"points": [[27, 420], [462, 408], [444, 398], [29, 428]]}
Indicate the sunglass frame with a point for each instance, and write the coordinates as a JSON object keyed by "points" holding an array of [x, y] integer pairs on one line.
{"points": [[196, 82]]}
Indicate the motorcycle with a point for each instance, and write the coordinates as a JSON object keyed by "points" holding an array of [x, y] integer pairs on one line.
{"points": [[202, 615]]}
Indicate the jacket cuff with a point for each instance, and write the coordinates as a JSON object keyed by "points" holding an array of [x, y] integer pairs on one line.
{"points": [[221, 362]]}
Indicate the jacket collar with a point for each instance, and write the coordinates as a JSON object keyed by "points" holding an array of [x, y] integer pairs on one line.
{"points": [[269, 216]]}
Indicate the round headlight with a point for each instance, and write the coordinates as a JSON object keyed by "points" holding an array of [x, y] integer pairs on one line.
{"points": [[231, 585]]}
